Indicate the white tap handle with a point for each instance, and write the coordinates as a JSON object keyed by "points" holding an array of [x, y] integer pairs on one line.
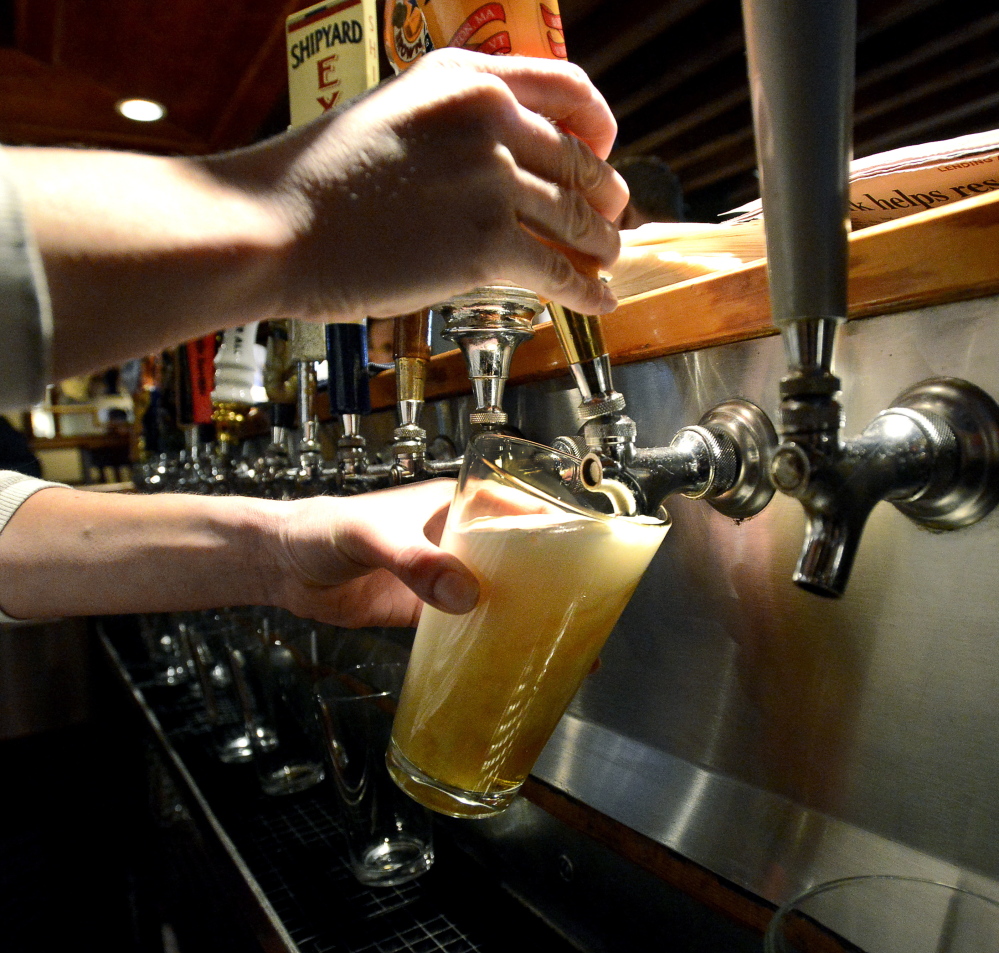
{"points": [[236, 366]]}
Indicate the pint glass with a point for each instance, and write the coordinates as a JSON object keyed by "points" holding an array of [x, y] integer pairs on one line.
{"points": [[484, 690]]}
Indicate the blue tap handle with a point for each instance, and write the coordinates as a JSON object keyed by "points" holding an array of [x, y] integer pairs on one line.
{"points": [[347, 357]]}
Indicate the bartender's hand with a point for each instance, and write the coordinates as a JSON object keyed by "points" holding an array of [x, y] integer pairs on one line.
{"points": [[464, 170], [351, 561], [442, 179], [371, 559]]}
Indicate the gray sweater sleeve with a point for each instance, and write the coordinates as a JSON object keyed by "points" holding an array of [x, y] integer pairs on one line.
{"points": [[25, 312], [15, 488]]}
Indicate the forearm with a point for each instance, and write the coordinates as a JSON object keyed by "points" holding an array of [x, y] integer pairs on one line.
{"points": [[77, 552], [141, 251], [456, 161]]}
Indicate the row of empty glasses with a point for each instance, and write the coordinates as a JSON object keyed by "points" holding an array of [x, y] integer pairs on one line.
{"points": [[306, 705]]}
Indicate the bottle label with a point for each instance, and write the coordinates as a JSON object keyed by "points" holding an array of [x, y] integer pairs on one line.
{"points": [[523, 27], [332, 56]]}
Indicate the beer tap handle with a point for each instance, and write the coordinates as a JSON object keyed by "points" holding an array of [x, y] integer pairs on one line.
{"points": [[195, 370], [412, 356], [236, 366], [306, 342], [581, 335], [349, 384], [306, 348], [349, 396], [197, 379], [582, 340], [235, 374], [279, 372]]}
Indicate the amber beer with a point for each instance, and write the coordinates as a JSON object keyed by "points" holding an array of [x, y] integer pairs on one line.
{"points": [[485, 690]]}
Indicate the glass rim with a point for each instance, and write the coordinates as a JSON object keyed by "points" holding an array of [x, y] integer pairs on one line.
{"points": [[783, 912], [525, 487]]}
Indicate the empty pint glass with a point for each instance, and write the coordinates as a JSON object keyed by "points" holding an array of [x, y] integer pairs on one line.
{"points": [[389, 836], [484, 690]]}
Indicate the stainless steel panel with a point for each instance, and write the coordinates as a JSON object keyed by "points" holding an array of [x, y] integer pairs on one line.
{"points": [[773, 736]]}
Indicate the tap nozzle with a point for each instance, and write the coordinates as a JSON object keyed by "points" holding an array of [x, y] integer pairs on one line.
{"points": [[488, 324], [310, 451], [411, 343], [724, 459], [934, 454]]}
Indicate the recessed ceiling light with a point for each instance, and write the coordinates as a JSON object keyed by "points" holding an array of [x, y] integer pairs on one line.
{"points": [[141, 110]]}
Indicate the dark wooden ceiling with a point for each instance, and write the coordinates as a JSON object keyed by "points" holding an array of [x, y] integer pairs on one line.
{"points": [[673, 71]]}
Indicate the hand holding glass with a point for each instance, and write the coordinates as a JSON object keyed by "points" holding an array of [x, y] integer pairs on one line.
{"points": [[485, 690]]}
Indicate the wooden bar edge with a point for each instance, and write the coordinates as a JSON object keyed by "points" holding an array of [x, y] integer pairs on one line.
{"points": [[932, 257]]}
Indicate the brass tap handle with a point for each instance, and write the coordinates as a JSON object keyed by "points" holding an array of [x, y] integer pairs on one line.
{"points": [[412, 335], [279, 369], [582, 340], [580, 335], [412, 354]]}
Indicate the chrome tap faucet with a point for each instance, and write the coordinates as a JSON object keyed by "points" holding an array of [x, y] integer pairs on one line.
{"points": [[411, 345], [488, 324], [349, 400], [933, 454], [724, 458], [307, 347]]}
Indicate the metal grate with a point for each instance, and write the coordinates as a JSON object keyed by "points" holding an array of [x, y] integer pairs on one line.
{"points": [[294, 848]]}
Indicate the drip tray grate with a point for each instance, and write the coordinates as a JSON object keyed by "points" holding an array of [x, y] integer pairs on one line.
{"points": [[293, 847]]}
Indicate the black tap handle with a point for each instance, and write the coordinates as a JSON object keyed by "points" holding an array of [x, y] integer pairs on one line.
{"points": [[347, 357]]}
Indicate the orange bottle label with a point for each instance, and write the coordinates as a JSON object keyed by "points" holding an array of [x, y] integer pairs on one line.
{"points": [[524, 27], [404, 34]]}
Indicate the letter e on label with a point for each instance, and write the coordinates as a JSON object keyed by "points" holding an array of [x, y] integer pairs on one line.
{"points": [[327, 71]]}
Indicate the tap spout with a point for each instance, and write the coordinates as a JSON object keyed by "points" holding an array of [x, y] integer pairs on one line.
{"points": [[724, 459], [838, 488], [934, 454], [488, 324]]}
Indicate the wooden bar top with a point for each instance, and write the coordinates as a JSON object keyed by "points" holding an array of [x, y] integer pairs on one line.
{"points": [[929, 258]]}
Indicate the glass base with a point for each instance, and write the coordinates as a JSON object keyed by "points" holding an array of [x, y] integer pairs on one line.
{"points": [[173, 675], [392, 862], [291, 778], [233, 746], [440, 797]]}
